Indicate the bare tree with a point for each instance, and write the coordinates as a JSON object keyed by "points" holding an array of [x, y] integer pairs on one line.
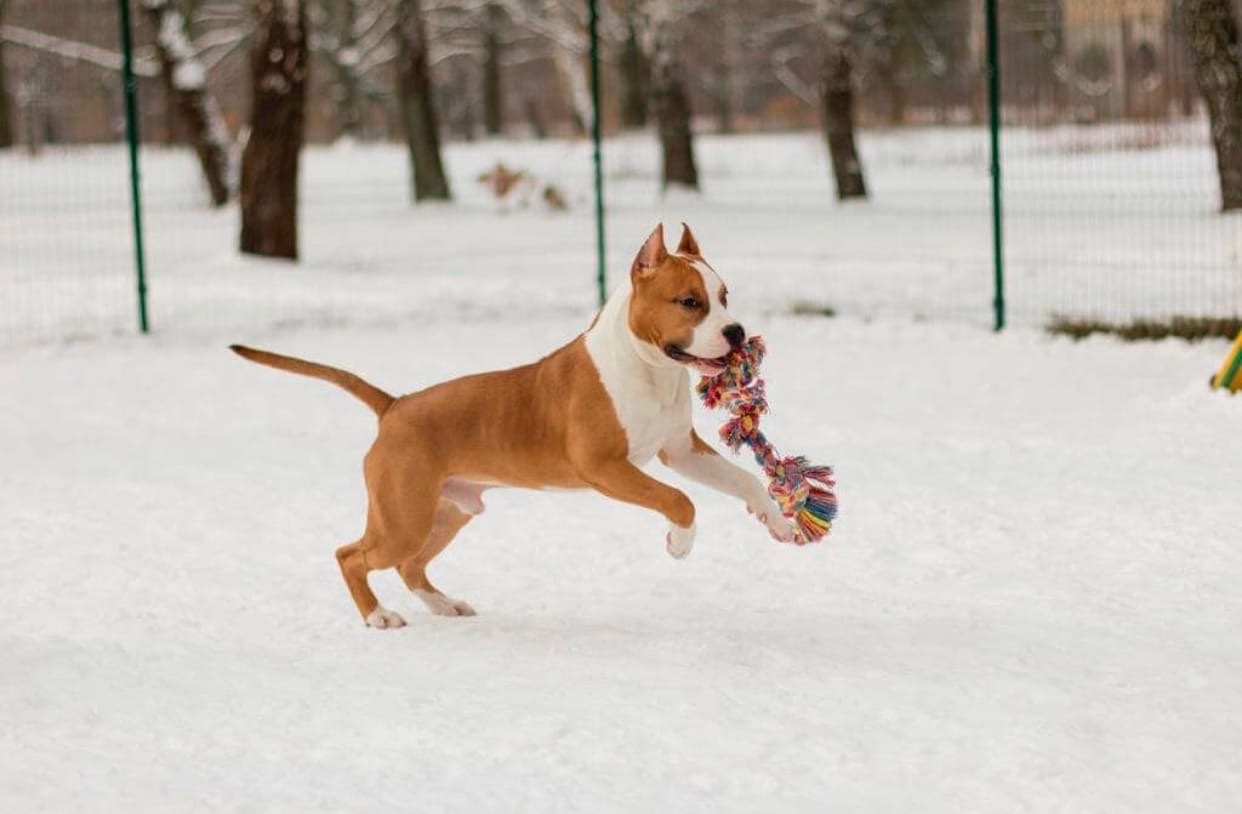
{"points": [[725, 89], [1212, 33], [670, 101], [344, 57], [418, 110], [270, 163], [6, 123], [569, 54], [493, 53], [837, 95], [197, 108], [635, 72]]}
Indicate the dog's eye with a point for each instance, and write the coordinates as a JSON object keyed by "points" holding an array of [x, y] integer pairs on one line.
{"points": [[690, 303], [724, 299]]}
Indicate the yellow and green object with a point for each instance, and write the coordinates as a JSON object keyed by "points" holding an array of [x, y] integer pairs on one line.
{"points": [[1230, 374]]}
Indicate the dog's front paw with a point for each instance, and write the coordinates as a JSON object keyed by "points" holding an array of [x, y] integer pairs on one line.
{"points": [[779, 526], [679, 541]]}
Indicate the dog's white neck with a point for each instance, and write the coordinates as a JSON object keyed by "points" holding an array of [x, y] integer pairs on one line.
{"points": [[650, 393], [613, 345]]}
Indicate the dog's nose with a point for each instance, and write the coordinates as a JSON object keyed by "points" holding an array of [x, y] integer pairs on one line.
{"points": [[736, 335]]}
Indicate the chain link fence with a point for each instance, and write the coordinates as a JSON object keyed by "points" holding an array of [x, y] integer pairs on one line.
{"points": [[1112, 201], [66, 246]]}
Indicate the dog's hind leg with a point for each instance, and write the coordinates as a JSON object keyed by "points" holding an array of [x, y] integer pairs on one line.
{"points": [[449, 520], [400, 517], [354, 567]]}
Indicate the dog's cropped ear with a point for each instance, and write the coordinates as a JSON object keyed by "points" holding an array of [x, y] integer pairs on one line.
{"points": [[651, 255], [688, 244]]}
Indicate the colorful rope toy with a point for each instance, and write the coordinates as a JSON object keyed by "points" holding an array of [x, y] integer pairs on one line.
{"points": [[802, 491]]}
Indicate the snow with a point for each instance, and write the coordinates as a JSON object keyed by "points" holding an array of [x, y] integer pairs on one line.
{"points": [[188, 73], [1029, 602]]}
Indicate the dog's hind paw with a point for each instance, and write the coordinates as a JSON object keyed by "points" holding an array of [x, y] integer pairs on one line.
{"points": [[382, 619], [679, 541]]}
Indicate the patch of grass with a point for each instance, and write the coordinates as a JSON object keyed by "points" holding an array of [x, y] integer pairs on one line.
{"points": [[1192, 329], [806, 308]]}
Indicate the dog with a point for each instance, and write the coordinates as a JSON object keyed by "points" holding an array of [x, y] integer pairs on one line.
{"points": [[587, 416]]}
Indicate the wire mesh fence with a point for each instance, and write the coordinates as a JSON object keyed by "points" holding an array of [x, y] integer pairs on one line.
{"points": [[66, 248], [1112, 196]]}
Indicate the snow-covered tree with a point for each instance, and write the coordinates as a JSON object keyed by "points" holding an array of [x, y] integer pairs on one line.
{"points": [[355, 40], [270, 162], [186, 76]]}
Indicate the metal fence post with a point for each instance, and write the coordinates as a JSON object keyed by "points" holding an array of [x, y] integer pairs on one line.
{"points": [[131, 136], [596, 115], [994, 121]]}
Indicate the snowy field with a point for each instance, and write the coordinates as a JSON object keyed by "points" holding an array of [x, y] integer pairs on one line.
{"points": [[1030, 601], [1101, 222]]}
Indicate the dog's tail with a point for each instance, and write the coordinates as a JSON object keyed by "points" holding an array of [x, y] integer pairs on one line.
{"points": [[372, 396]]}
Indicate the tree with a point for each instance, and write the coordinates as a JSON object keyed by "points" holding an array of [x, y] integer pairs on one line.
{"points": [[837, 95], [6, 122], [418, 110], [493, 98], [270, 163], [344, 58], [1212, 34], [635, 73], [197, 108], [670, 101]]}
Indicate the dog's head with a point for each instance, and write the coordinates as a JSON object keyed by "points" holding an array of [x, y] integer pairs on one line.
{"points": [[680, 306]]}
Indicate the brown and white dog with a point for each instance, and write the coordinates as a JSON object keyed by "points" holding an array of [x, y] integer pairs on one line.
{"points": [[587, 416]]}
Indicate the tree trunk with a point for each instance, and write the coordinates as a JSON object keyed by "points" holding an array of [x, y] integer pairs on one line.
{"points": [[1212, 34], [535, 118], [635, 76], [186, 79], [344, 60], [6, 120], [837, 98], [671, 105], [493, 98], [269, 175], [418, 108], [730, 46]]}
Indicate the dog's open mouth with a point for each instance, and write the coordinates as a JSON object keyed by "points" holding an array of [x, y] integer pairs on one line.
{"points": [[707, 367]]}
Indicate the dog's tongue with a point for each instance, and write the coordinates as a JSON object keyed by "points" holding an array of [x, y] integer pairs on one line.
{"points": [[709, 367]]}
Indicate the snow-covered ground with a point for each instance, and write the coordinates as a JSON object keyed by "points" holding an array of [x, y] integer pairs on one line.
{"points": [[1113, 222], [1030, 602]]}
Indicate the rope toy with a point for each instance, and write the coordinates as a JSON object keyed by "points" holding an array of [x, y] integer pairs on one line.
{"points": [[801, 490]]}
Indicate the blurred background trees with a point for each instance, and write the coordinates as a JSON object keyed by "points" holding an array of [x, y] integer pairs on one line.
{"points": [[424, 70]]}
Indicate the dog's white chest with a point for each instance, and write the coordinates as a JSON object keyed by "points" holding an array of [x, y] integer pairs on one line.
{"points": [[650, 417], [652, 404]]}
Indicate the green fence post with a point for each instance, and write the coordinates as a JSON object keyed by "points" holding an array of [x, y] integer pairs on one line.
{"points": [[994, 121], [131, 135], [596, 139]]}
